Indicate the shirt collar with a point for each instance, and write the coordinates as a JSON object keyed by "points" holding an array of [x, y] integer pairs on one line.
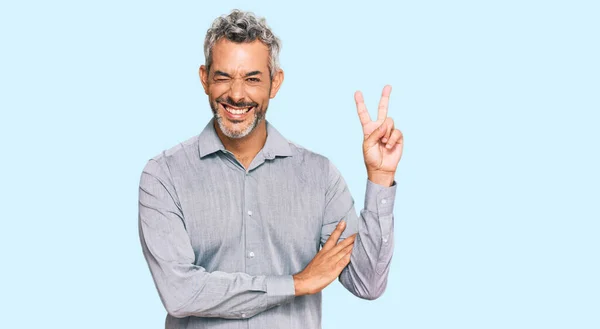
{"points": [[275, 145]]}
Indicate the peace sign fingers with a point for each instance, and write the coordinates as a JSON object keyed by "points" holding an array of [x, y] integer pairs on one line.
{"points": [[363, 114], [383, 143], [383, 103]]}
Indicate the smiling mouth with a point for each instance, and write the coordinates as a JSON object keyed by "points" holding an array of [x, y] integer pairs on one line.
{"points": [[236, 110]]}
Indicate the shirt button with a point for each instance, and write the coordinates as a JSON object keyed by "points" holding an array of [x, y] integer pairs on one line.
{"points": [[251, 254], [384, 201], [243, 315], [249, 212], [385, 240]]}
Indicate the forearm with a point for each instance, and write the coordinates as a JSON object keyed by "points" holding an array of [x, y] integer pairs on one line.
{"points": [[188, 290], [366, 275]]}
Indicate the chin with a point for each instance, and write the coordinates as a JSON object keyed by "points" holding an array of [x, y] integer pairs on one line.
{"points": [[236, 128]]}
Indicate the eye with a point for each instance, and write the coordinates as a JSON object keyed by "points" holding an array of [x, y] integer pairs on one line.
{"points": [[253, 79]]}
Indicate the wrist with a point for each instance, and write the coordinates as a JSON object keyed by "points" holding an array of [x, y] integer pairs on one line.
{"points": [[383, 179], [299, 286]]}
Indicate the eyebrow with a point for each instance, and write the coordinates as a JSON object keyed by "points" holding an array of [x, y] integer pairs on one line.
{"points": [[252, 73], [221, 73]]}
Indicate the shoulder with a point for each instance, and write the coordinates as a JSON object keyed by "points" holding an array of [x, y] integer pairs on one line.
{"points": [[317, 167], [312, 160], [173, 156], [305, 155]]}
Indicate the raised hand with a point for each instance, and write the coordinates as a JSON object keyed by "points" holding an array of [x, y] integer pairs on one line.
{"points": [[327, 264], [383, 144]]}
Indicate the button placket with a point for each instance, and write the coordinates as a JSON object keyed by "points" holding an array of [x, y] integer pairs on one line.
{"points": [[253, 228]]}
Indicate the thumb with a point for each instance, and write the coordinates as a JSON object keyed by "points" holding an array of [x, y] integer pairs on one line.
{"points": [[376, 135]]}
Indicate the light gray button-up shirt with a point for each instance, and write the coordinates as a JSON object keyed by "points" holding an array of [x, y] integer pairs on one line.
{"points": [[223, 242]]}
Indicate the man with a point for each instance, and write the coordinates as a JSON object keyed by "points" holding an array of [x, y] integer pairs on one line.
{"points": [[232, 220]]}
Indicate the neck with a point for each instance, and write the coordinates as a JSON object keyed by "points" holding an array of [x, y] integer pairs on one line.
{"points": [[246, 148]]}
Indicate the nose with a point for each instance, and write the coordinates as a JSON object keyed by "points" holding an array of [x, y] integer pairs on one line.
{"points": [[236, 90]]}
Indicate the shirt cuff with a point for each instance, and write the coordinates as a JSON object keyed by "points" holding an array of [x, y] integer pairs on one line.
{"points": [[280, 289], [380, 199]]}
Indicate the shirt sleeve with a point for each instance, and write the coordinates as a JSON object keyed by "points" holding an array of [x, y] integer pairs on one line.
{"points": [[187, 289], [366, 274]]}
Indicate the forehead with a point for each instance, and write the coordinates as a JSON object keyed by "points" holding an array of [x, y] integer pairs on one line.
{"points": [[236, 57]]}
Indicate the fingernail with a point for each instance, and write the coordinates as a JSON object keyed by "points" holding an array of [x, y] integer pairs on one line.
{"points": [[384, 140], [389, 146], [382, 127]]}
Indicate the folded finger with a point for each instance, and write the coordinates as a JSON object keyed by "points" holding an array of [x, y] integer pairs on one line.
{"points": [[389, 127], [394, 138]]}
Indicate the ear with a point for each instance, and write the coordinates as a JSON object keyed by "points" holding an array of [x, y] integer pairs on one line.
{"points": [[203, 78], [276, 83]]}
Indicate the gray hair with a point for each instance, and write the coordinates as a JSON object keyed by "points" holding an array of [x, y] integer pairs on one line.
{"points": [[240, 26]]}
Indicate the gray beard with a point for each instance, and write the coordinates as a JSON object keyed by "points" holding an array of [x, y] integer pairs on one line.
{"points": [[258, 117]]}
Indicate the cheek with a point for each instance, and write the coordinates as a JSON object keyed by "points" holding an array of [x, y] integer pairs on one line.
{"points": [[217, 89], [259, 94]]}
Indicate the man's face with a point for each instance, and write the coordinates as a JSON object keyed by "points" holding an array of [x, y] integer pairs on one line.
{"points": [[239, 85]]}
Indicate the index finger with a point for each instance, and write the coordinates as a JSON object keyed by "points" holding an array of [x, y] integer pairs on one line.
{"points": [[363, 114], [335, 235], [383, 102], [345, 243]]}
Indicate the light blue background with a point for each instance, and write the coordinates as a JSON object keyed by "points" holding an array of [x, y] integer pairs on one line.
{"points": [[497, 211]]}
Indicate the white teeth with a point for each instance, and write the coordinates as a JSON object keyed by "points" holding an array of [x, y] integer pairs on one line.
{"points": [[234, 111]]}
